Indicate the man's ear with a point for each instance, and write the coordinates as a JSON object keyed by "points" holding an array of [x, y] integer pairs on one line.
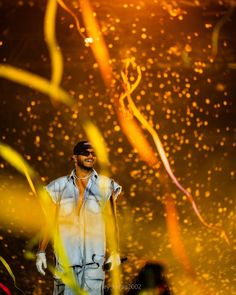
{"points": [[74, 158]]}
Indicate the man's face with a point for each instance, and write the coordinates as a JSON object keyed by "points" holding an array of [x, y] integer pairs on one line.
{"points": [[86, 159]]}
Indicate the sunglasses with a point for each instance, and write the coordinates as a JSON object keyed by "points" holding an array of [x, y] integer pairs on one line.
{"points": [[87, 153]]}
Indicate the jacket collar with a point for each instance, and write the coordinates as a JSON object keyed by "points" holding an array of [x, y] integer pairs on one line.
{"points": [[94, 176]]}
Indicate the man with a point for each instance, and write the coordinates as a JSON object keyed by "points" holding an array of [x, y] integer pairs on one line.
{"points": [[79, 202]]}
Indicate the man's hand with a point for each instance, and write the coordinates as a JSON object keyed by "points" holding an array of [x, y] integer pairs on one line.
{"points": [[113, 260], [41, 262]]}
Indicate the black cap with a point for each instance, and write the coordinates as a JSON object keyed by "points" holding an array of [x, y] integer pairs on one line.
{"points": [[81, 146]]}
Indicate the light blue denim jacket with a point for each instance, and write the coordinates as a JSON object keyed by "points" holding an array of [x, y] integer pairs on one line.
{"points": [[83, 235]]}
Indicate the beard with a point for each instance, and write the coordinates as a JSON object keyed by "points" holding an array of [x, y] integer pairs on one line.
{"points": [[85, 167], [81, 165]]}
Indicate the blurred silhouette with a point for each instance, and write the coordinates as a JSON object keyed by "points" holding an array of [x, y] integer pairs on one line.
{"points": [[150, 281]]}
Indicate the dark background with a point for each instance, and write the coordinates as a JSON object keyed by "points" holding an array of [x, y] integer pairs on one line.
{"points": [[187, 96]]}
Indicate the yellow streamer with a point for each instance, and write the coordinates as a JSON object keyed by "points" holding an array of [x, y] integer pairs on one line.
{"points": [[66, 8], [16, 160], [34, 81], [161, 151], [192, 4], [101, 55], [55, 92], [10, 273], [216, 31], [132, 87], [54, 49], [67, 277], [95, 137], [98, 46]]}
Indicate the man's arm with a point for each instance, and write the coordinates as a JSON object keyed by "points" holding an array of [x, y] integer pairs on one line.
{"points": [[41, 261], [112, 233], [111, 225], [115, 222], [51, 222]]}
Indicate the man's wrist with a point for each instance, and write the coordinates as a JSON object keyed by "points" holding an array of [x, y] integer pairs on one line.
{"points": [[40, 251]]}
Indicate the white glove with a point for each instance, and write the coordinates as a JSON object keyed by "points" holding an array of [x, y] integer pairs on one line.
{"points": [[41, 262], [114, 259]]}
